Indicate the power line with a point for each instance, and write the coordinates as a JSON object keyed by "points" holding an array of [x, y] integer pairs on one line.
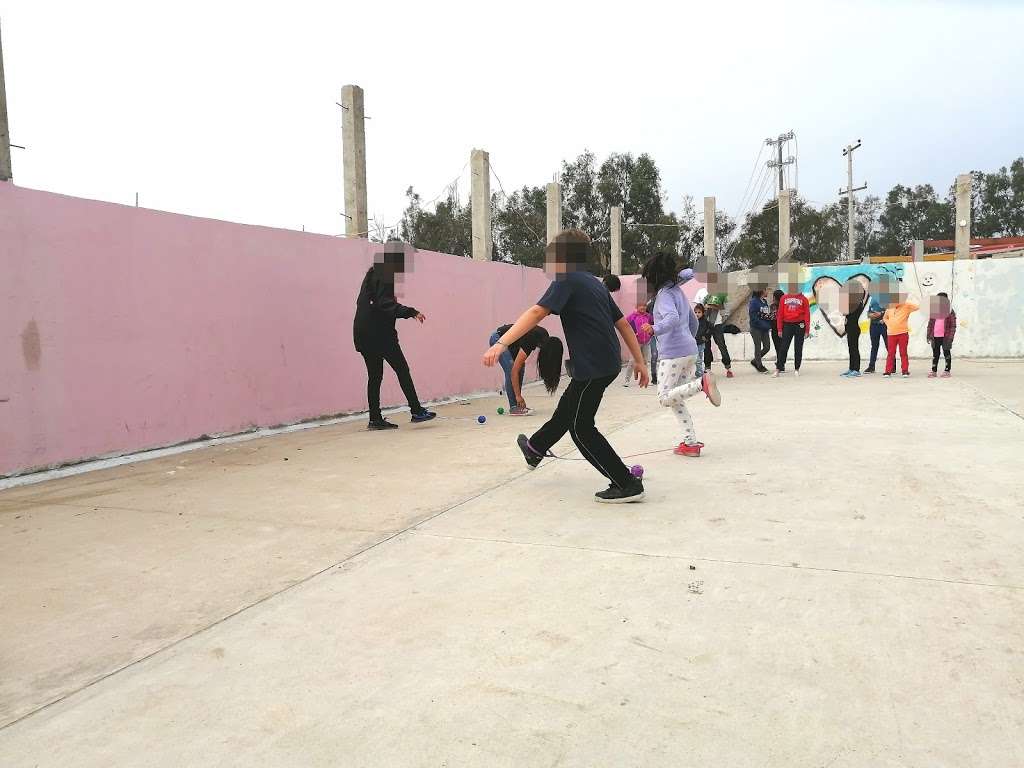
{"points": [[501, 186], [777, 142]]}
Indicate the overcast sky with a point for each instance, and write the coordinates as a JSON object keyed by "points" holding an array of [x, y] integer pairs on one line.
{"points": [[227, 110]]}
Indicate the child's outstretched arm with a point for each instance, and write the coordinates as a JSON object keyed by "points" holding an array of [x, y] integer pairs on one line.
{"points": [[526, 322], [639, 364]]}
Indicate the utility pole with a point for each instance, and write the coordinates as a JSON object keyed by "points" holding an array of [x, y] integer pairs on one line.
{"points": [[6, 174], [710, 254], [554, 200], [850, 189], [480, 204], [615, 266], [963, 217], [781, 163], [353, 155], [784, 240]]}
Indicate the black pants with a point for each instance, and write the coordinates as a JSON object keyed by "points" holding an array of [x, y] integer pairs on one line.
{"points": [[853, 342], [761, 346], [878, 334], [719, 338], [946, 347], [776, 341], [575, 414], [791, 332], [375, 375]]}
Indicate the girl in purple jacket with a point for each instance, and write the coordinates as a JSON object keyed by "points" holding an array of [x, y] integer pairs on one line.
{"points": [[674, 326]]}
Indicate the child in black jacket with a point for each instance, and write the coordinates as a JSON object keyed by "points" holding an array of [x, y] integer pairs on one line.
{"points": [[704, 355]]}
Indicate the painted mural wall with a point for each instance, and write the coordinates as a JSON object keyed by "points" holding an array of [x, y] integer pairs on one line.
{"points": [[124, 328], [987, 295]]}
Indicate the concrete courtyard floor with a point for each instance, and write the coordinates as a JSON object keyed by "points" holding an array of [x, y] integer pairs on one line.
{"points": [[838, 581]]}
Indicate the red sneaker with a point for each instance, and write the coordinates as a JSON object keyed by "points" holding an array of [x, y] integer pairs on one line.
{"points": [[728, 373], [711, 389], [688, 450], [932, 375]]}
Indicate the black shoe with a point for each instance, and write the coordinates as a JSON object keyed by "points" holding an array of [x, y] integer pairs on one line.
{"points": [[634, 491], [532, 457], [423, 415], [376, 424], [869, 370]]}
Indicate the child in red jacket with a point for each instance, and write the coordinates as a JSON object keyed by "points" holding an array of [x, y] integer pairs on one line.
{"points": [[793, 325]]}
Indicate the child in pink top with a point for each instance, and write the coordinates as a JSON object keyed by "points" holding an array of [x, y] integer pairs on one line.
{"points": [[941, 330], [638, 320]]}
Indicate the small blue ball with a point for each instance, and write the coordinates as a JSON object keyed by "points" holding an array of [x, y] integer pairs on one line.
{"points": [[481, 419]]}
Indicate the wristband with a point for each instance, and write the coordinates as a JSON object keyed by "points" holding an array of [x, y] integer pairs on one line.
{"points": [[501, 343]]}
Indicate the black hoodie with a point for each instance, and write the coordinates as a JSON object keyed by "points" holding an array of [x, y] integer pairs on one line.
{"points": [[377, 309]]}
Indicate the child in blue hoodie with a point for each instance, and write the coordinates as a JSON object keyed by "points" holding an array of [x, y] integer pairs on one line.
{"points": [[675, 325], [759, 314]]}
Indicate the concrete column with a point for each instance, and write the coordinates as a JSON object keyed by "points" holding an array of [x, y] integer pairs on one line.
{"points": [[710, 254], [917, 250], [784, 244], [353, 145], [6, 174], [962, 225], [616, 260], [554, 210], [480, 202]]}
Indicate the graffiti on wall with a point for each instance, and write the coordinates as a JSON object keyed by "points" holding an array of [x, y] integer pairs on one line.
{"points": [[838, 290]]}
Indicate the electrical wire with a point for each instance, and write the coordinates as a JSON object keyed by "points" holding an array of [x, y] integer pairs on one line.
{"points": [[501, 186]]}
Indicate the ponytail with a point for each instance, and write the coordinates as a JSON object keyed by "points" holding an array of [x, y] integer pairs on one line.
{"points": [[549, 363]]}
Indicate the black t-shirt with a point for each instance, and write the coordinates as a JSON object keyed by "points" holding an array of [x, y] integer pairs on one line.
{"points": [[588, 315], [528, 343]]}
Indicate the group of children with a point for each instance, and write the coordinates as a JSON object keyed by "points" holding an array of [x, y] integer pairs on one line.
{"points": [[787, 321], [591, 319], [889, 322], [665, 331]]}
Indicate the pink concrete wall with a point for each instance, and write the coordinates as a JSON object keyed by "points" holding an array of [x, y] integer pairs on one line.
{"points": [[124, 328]]}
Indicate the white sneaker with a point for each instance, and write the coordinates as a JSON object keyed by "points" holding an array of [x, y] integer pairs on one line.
{"points": [[796, 373], [775, 375]]}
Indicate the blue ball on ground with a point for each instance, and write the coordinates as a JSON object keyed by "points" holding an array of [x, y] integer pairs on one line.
{"points": [[636, 471], [481, 419]]}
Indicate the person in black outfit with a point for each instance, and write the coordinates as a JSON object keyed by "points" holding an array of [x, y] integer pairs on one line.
{"points": [[773, 311], [654, 346], [853, 302], [590, 319], [375, 337]]}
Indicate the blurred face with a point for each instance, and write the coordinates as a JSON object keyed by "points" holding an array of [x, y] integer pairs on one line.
{"points": [[641, 307], [699, 312], [885, 289], [938, 306]]}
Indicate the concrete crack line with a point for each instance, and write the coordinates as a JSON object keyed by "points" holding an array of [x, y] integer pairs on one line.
{"points": [[200, 516], [408, 529], [991, 399], [260, 601], [722, 561]]}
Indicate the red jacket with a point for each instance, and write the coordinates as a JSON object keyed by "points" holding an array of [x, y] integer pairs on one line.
{"points": [[794, 308]]}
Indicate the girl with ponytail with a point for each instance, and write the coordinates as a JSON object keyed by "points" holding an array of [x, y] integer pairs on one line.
{"points": [[513, 363]]}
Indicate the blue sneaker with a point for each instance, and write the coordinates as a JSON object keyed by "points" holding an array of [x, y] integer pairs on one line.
{"points": [[422, 416], [853, 375], [846, 373]]}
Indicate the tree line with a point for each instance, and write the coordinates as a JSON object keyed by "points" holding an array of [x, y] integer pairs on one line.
{"points": [[818, 232]]}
